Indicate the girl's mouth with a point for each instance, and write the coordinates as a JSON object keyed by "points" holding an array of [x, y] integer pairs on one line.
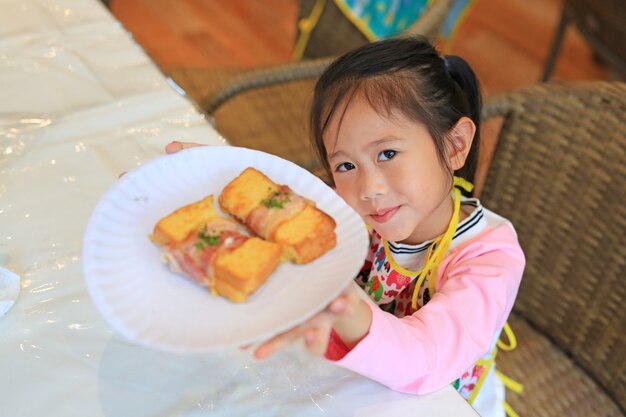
{"points": [[384, 215]]}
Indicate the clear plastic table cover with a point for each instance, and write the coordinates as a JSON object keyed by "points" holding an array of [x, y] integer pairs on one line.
{"points": [[80, 102]]}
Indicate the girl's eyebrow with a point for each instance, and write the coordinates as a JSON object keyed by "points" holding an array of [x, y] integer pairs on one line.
{"points": [[335, 154], [370, 145], [382, 140]]}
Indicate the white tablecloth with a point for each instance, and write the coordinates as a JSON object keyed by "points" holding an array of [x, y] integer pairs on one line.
{"points": [[80, 102]]}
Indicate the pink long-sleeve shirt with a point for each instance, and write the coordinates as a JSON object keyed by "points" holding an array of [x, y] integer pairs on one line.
{"points": [[419, 353]]}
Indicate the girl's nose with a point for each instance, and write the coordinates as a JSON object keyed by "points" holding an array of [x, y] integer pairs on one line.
{"points": [[371, 185]]}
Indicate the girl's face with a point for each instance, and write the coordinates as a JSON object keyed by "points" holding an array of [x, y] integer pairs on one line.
{"points": [[388, 170]]}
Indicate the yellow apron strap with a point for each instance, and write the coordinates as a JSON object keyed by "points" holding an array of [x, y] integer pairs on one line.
{"points": [[464, 184], [511, 338], [422, 275], [434, 257], [479, 384], [509, 382], [509, 410], [306, 26]]}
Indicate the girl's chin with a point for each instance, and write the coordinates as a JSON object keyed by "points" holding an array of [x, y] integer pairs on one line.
{"points": [[391, 234]]}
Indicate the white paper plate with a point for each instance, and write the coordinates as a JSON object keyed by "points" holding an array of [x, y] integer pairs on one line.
{"points": [[153, 307]]}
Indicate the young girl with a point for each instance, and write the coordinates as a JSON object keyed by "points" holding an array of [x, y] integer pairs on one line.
{"points": [[394, 122]]}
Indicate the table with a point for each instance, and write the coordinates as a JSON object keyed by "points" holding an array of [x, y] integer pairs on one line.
{"points": [[80, 102]]}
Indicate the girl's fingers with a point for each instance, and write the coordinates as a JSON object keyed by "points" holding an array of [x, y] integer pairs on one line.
{"points": [[315, 331], [176, 146], [278, 342], [316, 339], [339, 306], [345, 304]]}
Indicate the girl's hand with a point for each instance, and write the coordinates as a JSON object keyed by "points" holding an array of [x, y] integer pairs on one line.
{"points": [[176, 146], [348, 314]]}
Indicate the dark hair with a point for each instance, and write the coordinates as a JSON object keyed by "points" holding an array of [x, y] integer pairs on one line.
{"points": [[406, 74]]}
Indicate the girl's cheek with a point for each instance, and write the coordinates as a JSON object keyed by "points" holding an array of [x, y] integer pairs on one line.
{"points": [[347, 194], [342, 189]]}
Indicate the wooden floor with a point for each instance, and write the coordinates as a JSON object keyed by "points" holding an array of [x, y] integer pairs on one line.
{"points": [[506, 42]]}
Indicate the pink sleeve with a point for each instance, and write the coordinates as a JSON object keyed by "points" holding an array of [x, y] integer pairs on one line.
{"points": [[476, 287]]}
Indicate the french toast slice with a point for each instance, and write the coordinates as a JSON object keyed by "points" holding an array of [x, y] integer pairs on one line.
{"points": [[274, 212], [241, 272], [196, 241], [176, 226]]}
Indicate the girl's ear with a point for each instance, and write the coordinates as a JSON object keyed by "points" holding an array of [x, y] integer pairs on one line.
{"points": [[461, 136]]}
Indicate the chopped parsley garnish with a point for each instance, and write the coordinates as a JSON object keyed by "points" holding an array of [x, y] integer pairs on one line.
{"points": [[211, 240], [277, 199]]}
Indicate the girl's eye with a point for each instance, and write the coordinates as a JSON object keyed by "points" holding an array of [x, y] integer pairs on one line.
{"points": [[386, 155], [346, 166]]}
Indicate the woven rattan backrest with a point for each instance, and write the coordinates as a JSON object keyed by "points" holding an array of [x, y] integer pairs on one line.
{"points": [[559, 174]]}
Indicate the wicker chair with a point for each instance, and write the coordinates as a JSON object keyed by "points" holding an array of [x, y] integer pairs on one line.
{"points": [[559, 174], [603, 24], [268, 108]]}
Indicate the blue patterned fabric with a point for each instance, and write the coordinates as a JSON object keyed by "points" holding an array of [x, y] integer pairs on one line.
{"points": [[379, 19], [383, 18]]}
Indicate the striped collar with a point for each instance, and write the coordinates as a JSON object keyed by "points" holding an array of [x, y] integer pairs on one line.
{"points": [[469, 227]]}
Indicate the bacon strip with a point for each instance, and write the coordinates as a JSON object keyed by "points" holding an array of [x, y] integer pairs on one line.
{"points": [[265, 219], [194, 257]]}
